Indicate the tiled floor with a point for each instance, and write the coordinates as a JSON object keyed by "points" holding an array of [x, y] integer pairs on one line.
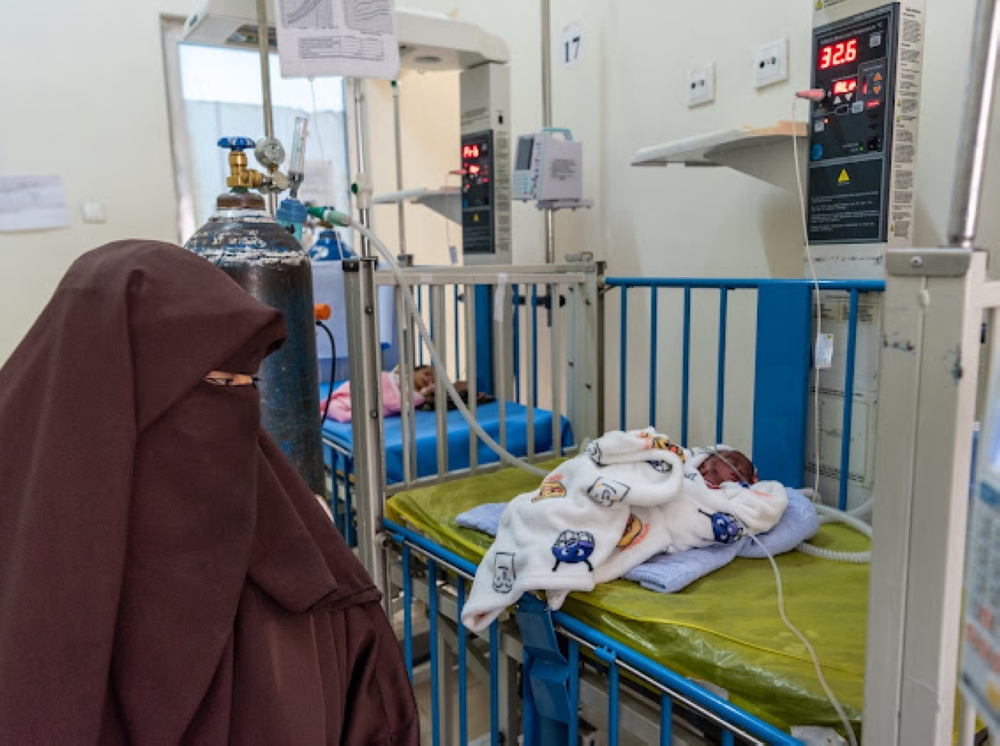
{"points": [[479, 710]]}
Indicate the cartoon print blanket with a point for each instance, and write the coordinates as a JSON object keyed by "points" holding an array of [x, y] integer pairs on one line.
{"points": [[602, 513]]}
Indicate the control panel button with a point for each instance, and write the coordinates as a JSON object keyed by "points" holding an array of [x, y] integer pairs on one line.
{"points": [[857, 107], [842, 110], [817, 152]]}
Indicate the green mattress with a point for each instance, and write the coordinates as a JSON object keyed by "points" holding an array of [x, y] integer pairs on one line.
{"points": [[724, 628]]}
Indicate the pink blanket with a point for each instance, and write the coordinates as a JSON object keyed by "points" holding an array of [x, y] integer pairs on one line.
{"points": [[392, 400]]}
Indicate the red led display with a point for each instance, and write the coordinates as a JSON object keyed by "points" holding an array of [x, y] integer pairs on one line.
{"points": [[470, 151], [840, 53], [840, 87]]}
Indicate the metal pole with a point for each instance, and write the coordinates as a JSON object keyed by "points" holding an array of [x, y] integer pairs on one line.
{"points": [[360, 117], [400, 207], [367, 424], [974, 145], [263, 43], [550, 226], [550, 216], [265, 66], [546, 64]]}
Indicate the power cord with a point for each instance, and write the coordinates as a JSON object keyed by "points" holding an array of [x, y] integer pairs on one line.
{"points": [[809, 648], [333, 367], [811, 95]]}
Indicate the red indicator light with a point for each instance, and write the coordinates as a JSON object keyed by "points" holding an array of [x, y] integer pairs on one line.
{"points": [[841, 87], [873, 104]]}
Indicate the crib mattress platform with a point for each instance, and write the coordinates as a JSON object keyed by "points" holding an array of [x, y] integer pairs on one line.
{"points": [[724, 628]]}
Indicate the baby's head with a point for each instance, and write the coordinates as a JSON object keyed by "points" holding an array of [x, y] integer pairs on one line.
{"points": [[423, 379], [727, 466]]}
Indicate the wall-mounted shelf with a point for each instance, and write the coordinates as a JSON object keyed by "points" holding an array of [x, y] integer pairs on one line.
{"points": [[446, 201], [762, 152]]}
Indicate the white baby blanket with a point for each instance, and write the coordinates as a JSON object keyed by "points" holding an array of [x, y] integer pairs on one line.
{"points": [[606, 511]]}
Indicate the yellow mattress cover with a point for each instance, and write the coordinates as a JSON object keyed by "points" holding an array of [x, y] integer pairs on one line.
{"points": [[724, 628]]}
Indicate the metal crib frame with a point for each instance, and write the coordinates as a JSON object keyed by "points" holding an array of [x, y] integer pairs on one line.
{"points": [[550, 670], [361, 279], [935, 302]]}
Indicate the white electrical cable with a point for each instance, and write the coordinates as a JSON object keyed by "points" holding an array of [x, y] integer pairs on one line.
{"points": [[812, 653], [815, 279], [827, 513], [442, 372]]}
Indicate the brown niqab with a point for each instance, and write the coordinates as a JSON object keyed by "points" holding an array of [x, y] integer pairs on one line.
{"points": [[165, 575]]}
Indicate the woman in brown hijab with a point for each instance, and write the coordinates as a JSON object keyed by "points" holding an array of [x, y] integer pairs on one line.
{"points": [[165, 575]]}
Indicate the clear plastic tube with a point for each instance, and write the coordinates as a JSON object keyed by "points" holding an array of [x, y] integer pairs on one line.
{"points": [[441, 370], [297, 163], [832, 515]]}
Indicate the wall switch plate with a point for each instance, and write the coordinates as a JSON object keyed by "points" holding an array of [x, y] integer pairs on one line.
{"points": [[94, 212], [770, 63], [701, 85]]}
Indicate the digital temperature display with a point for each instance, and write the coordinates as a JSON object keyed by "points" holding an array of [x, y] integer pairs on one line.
{"points": [[837, 54], [848, 85], [470, 151]]}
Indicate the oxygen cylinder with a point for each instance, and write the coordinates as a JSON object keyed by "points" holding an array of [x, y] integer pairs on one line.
{"points": [[243, 240]]}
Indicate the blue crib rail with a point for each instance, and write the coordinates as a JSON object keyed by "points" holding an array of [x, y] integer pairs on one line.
{"points": [[339, 457], [610, 652], [782, 381]]}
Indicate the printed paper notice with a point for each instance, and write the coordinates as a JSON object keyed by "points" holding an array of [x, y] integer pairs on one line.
{"points": [[32, 203], [980, 673], [349, 38]]}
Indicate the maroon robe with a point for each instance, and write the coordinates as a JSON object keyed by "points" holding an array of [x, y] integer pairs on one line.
{"points": [[165, 575]]}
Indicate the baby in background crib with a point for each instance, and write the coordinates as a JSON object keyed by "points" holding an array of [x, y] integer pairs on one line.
{"points": [[392, 398]]}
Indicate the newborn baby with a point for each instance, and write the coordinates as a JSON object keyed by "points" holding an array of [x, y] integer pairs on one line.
{"points": [[392, 398], [727, 466]]}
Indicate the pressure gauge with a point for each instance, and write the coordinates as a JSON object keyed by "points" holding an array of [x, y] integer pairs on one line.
{"points": [[269, 153]]}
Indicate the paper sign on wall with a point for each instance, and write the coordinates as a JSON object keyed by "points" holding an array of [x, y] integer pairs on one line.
{"points": [[31, 203], [349, 38], [572, 45]]}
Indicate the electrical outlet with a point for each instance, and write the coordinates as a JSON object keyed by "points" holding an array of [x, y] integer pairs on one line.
{"points": [[770, 63], [701, 85], [94, 212]]}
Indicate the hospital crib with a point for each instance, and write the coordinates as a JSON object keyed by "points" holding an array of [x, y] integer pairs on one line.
{"points": [[550, 676], [422, 444]]}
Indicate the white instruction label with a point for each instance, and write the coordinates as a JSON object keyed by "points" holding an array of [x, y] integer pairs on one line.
{"points": [[349, 38], [824, 351], [453, 253]]}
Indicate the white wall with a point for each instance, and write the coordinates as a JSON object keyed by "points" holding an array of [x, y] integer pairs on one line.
{"points": [[629, 92], [82, 95], [92, 107]]}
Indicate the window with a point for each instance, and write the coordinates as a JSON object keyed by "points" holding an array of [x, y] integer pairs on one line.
{"points": [[215, 92]]}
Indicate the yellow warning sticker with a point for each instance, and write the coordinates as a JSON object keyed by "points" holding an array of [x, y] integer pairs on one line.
{"points": [[475, 218], [844, 178], [819, 4]]}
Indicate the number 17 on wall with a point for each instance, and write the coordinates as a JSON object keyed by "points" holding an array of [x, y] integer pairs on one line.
{"points": [[572, 45]]}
